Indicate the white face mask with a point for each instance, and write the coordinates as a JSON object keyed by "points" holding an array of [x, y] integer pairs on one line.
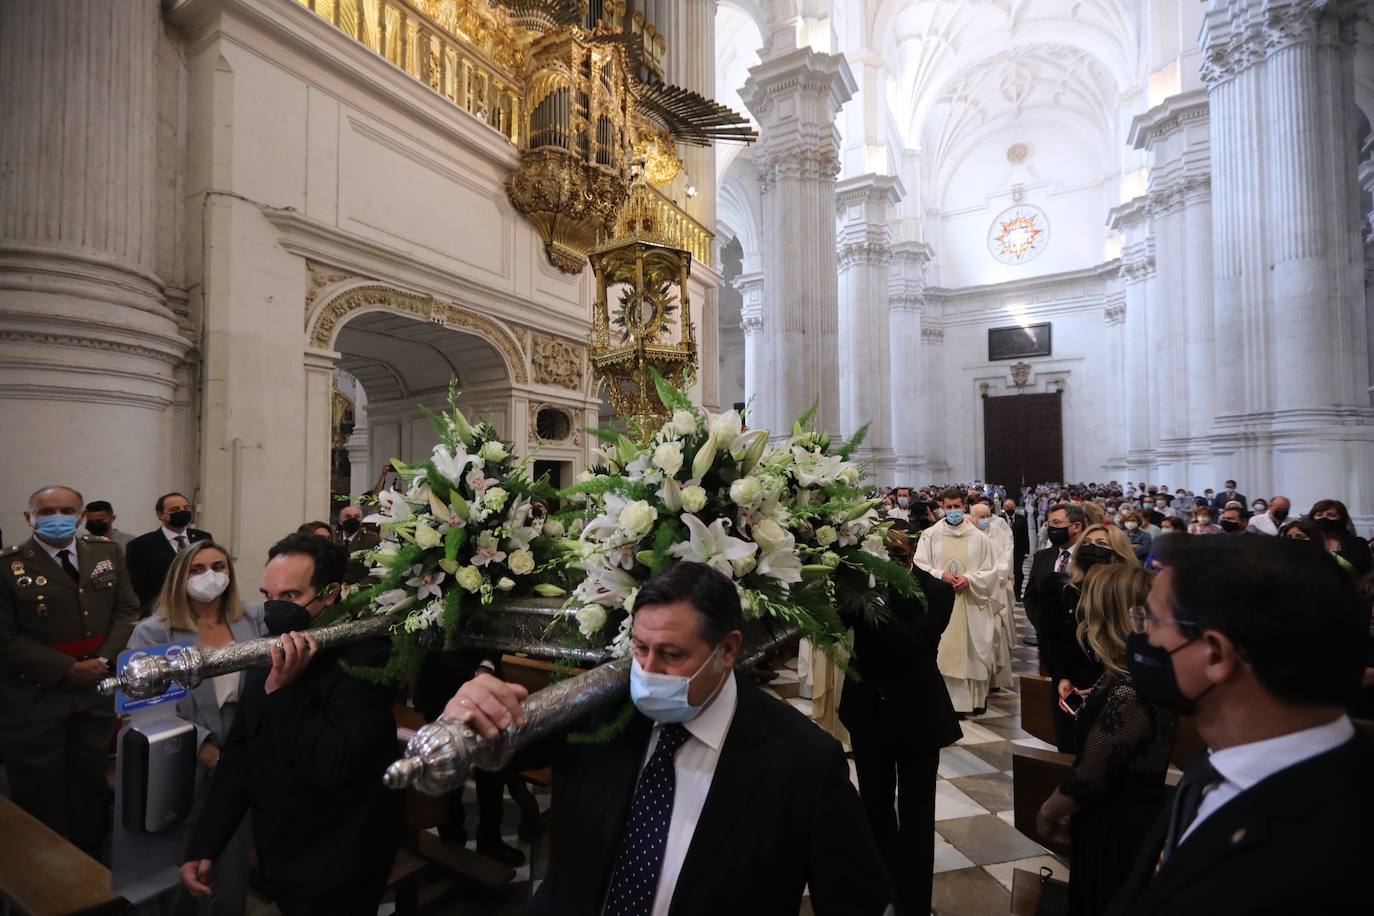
{"points": [[207, 586], [1131, 526]]}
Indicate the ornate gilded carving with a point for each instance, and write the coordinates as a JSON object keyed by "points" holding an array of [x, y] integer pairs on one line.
{"points": [[574, 437], [426, 308], [1020, 374], [557, 362]]}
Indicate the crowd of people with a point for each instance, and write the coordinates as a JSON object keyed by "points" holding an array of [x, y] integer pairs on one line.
{"points": [[715, 798]]}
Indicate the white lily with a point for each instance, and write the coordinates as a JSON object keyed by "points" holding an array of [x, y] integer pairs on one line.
{"points": [[711, 545], [726, 427], [426, 585], [451, 464], [394, 508], [671, 494], [813, 469], [782, 562], [605, 526], [488, 550]]}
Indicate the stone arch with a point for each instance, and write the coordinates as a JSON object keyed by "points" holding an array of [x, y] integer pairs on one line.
{"points": [[349, 299]]}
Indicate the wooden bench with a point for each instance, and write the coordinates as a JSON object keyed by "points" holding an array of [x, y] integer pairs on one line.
{"points": [[1038, 702], [41, 874]]}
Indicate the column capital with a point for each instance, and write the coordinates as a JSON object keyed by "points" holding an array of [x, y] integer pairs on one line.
{"points": [[804, 72], [1169, 116], [881, 190], [1242, 33], [1115, 311]]}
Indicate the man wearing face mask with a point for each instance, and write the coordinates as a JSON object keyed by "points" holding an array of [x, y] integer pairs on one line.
{"points": [[714, 799], [1270, 520], [1262, 641], [306, 754], [1064, 525], [1015, 518], [150, 555], [66, 611], [100, 522], [353, 537]]}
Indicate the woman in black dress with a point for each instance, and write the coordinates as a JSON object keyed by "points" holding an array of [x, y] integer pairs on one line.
{"points": [[1116, 790]]}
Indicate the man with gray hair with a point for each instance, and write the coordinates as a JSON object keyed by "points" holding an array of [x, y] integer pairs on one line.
{"points": [[66, 610]]}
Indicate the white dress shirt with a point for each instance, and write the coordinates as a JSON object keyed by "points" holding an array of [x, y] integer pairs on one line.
{"points": [[1245, 765], [53, 551], [172, 536], [694, 766], [1263, 524]]}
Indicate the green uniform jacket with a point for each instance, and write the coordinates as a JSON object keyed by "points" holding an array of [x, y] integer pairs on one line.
{"points": [[40, 607]]}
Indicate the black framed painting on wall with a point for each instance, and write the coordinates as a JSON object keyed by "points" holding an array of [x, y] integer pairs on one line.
{"points": [[1019, 342]]}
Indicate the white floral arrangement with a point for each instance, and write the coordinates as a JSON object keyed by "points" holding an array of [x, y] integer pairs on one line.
{"points": [[459, 531], [787, 521]]}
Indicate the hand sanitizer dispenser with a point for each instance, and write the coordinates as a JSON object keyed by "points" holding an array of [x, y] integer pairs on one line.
{"points": [[159, 774]]}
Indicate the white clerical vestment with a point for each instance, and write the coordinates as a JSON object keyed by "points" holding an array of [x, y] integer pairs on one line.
{"points": [[966, 649], [1005, 637]]}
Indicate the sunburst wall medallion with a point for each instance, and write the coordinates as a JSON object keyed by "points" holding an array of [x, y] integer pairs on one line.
{"points": [[1019, 234]]}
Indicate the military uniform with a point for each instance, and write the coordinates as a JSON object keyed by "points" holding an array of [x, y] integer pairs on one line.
{"points": [[56, 737], [357, 569]]}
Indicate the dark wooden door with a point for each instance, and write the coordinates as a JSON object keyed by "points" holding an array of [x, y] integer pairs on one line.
{"points": [[1023, 440]]}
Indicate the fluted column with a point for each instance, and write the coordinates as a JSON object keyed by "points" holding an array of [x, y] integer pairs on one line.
{"points": [[1176, 133], [1289, 283], [750, 288], [1137, 272], [1367, 183], [864, 255], [88, 345], [1116, 404], [795, 98], [909, 391], [359, 445]]}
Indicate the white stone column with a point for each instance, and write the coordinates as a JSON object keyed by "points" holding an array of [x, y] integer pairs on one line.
{"points": [[934, 416], [1367, 183], [909, 391], [1137, 271], [88, 345], [1116, 402], [1176, 133], [864, 254], [360, 476], [1289, 262], [750, 287], [795, 98]]}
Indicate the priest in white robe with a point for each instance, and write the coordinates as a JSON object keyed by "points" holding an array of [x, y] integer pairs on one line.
{"points": [[999, 531], [955, 550]]}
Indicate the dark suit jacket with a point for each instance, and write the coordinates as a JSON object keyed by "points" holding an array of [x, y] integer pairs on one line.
{"points": [[1042, 586], [1020, 535], [363, 540], [1060, 650], [1298, 842], [899, 686], [149, 557], [1221, 499], [781, 814], [307, 761]]}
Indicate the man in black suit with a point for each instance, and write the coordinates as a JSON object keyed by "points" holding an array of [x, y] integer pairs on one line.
{"points": [[1020, 539], [150, 555], [354, 538], [899, 715], [1227, 495], [306, 755], [715, 799], [1065, 524], [1262, 640]]}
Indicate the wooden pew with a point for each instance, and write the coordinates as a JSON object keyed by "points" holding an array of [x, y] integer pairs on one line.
{"points": [[41, 874], [1038, 703]]}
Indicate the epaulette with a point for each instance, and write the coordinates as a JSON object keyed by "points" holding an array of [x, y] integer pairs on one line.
{"points": [[96, 539], [9, 550]]}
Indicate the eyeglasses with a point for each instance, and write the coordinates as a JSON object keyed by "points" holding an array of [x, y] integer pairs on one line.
{"points": [[1142, 620]]}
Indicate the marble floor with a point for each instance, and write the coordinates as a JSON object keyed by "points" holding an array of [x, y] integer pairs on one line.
{"points": [[976, 846]]}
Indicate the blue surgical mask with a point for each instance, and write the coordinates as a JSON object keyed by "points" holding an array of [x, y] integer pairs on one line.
{"points": [[954, 516], [663, 697], [57, 530], [984, 523]]}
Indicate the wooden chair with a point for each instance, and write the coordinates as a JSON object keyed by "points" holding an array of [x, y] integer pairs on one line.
{"points": [[41, 874]]}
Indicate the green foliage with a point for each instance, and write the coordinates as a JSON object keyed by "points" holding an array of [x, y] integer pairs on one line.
{"points": [[608, 731], [853, 442], [407, 654], [672, 397], [440, 426], [670, 531]]}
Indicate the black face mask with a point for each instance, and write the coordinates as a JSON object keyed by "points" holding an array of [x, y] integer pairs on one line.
{"points": [[1090, 555], [99, 529], [1058, 536], [1330, 526], [1152, 675], [1228, 525], [351, 525], [179, 519], [1278, 515], [285, 617]]}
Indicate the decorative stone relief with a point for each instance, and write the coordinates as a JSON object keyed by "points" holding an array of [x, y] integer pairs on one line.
{"points": [[574, 437], [1115, 313], [932, 335], [424, 308], [906, 302], [1020, 374], [862, 253], [558, 362], [317, 277]]}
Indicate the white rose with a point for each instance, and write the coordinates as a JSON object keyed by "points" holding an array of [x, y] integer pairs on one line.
{"points": [[849, 476], [744, 567], [553, 528], [637, 517], [521, 562], [684, 423], [726, 428], [505, 583], [693, 498], [590, 619], [746, 492], [493, 452], [494, 499], [469, 578], [826, 535], [668, 458], [769, 535]]}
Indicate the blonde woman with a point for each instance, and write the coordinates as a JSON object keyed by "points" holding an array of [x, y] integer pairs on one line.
{"points": [[199, 603], [1072, 671], [1110, 800]]}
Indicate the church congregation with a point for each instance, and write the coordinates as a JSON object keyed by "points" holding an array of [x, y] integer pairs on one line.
{"points": [[686, 457]]}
